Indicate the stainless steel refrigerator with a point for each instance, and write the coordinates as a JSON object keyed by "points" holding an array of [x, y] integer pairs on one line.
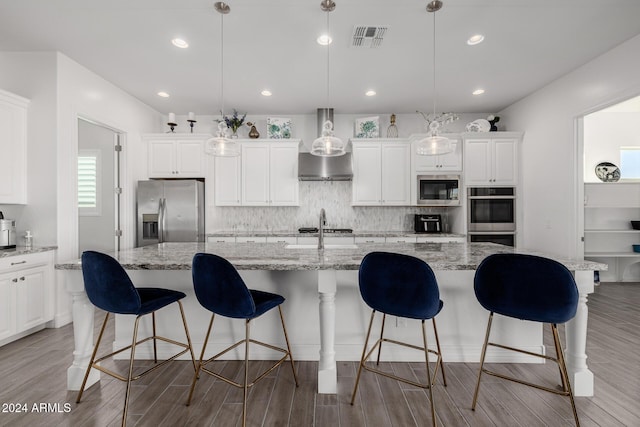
{"points": [[170, 211]]}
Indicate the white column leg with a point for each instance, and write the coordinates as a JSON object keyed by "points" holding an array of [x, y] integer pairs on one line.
{"points": [[576, 336], [82, 311], [327, 373]]}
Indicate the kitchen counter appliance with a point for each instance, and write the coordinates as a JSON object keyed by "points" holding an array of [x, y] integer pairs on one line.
{"points": [[7, 233], [170, 211], [427, 223], [438, 190]]}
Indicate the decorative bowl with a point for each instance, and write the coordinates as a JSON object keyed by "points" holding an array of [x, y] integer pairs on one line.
{"points": [[635, 225], [636, 248]]}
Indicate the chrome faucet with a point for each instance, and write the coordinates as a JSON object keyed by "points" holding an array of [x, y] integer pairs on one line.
{"points": [[323, 222]]}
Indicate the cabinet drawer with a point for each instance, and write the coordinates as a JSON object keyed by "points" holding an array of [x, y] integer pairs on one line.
{"points": [[338, 240], [281, 239], [221, 239], [251, 239], [441, 239], [377, 239], [400, 239], [19, 262]]}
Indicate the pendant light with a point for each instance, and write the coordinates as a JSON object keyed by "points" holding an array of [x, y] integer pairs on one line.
{"points": [[220, 145], [327, 145], [434, 144]]}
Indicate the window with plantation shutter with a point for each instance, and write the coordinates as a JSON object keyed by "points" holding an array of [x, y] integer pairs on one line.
{"points": [[89, 182]]}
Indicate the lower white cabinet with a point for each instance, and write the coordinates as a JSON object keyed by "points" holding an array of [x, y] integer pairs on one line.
{"points": [[26, 294], [441, 239]]}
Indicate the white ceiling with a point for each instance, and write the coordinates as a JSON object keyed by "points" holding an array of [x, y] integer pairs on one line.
{"points": [[271, 44]]}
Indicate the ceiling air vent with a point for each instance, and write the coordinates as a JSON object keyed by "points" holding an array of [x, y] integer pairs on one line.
{"points": [[368, 36]]}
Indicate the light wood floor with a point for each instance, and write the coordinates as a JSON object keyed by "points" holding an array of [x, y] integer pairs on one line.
{"points": [[33, 370]]}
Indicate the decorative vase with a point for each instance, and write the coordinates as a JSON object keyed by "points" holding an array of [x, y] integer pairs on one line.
{"points": [[234, 133], [253, 132]]}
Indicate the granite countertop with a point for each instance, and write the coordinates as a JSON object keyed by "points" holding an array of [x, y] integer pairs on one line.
{"points": [[273, 233], [21, 250], [275, 256]]}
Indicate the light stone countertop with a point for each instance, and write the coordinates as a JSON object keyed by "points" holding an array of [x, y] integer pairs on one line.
{"points": [[273, 233], [21, 250], [276, 257]]}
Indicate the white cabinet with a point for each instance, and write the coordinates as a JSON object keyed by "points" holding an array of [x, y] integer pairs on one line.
{"points": [[13, 146], [490, 161], [441, 239], [269, 173], [26, 294], [176, 156], [608, 235], [226, 181], [442, 163], [381, 173]]}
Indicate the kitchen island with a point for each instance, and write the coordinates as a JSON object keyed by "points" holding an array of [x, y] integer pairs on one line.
{"points": [[299, 274]]}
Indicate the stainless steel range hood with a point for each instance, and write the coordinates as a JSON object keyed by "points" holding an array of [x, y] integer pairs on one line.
{"points": [[316, 168]]}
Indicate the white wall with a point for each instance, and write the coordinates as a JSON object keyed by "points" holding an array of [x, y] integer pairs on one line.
{"points": [[604, 134], [33, 76], [549, 151]]}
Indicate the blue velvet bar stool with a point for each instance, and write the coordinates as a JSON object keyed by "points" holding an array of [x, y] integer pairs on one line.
{"points": [[220, 289], [533, 288], [109, 288], [403, 286]]}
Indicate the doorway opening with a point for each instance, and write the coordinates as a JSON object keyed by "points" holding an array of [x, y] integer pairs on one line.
{"points": [[611, 189], [99, 188]]}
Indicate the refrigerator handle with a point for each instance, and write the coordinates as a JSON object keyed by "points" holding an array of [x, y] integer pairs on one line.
{"points": [[161, 220]]}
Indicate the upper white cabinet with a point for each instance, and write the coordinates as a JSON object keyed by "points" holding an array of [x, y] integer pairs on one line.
{"points": [[269, 173], [449, 162], [176, 155], [491, 160], [13, 146], [381, 173]]}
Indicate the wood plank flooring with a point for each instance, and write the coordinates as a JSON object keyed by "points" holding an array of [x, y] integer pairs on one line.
{"points": [[33, 371]]}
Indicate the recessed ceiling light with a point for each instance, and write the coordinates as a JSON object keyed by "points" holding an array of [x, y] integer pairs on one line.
{"points": [[475, 39], [370, 93], [324, 40], [163, 94], [182, 44], [266, 92], [478, 92]]}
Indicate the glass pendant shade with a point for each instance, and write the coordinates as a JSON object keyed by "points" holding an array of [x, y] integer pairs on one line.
{"points": [[328, 145], [220, 145], [433, 145]]}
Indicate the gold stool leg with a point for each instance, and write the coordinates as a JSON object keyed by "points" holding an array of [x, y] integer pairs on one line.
{"points": [[484, 352], [426, 360], [558, 348], [435, 331], [246, 374], [155, 346], [364, 352], [131, 359], [197, 373], [563, 371], [384, 317], [186, 331], [286, 338], [93, 357]]}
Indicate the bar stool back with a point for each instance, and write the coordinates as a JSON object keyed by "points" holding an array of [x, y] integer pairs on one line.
{"points": [[527, 287]]}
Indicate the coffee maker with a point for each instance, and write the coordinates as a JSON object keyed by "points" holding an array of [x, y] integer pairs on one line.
{"points": [[428, 223], [7, 233]]}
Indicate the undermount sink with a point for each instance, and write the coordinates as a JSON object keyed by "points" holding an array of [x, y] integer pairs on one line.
{"points": [[315, 246]]}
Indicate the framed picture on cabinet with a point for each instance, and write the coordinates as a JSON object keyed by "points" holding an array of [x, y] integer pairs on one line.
{"points": [[278, 128], [367, 127]]}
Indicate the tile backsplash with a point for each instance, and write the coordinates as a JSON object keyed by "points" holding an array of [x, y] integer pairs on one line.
{"points": [[333, 196]]}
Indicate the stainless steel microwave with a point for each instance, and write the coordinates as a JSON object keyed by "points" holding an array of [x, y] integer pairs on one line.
{"points": [[438, 190]]}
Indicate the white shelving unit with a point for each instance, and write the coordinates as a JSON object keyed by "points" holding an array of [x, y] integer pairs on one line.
{"points": [[608, 235]]}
